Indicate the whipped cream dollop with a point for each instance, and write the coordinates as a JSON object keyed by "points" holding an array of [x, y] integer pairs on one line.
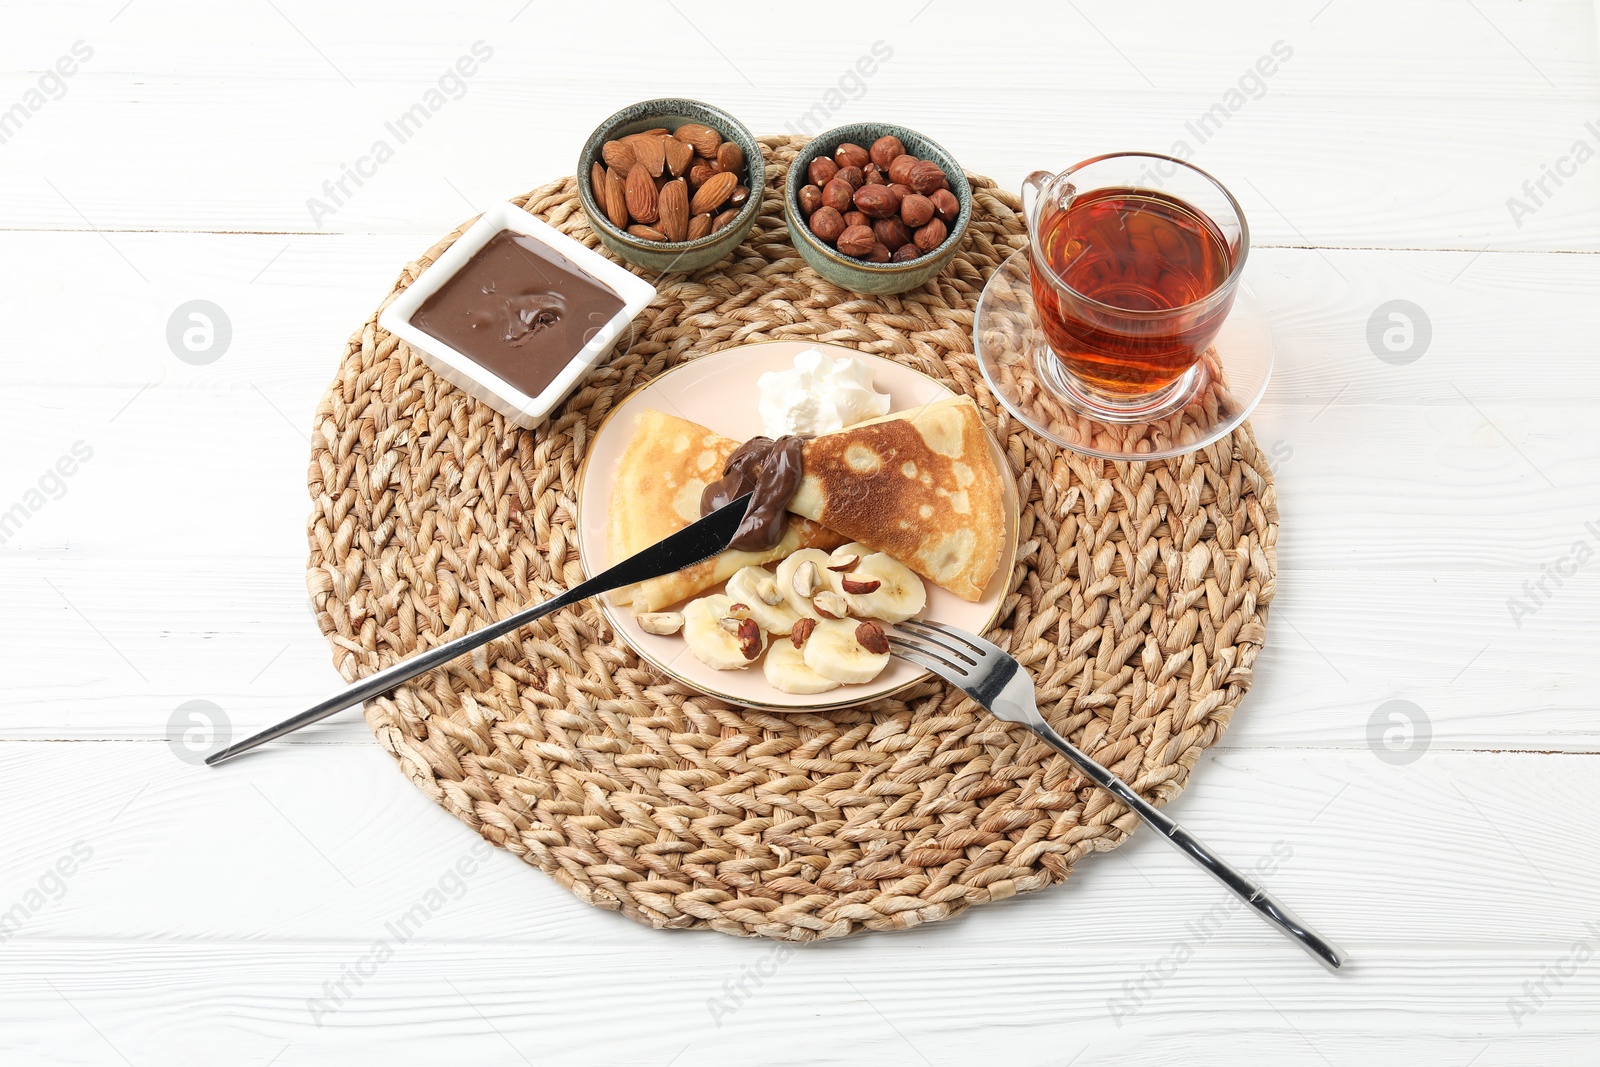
{"points": [[820, 395]]}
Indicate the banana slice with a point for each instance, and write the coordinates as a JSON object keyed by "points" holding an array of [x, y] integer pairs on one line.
{"points": [[899, 595], [786, 670], [833, 652], [714, 644], [794, 569], [745, 588]]}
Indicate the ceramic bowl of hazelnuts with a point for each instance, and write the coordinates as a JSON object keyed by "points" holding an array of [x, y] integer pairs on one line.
{"points": [[671, 185], [876, 208]]}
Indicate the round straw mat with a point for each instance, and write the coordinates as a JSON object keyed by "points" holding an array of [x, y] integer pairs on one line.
{"points": [[1138, 603]]}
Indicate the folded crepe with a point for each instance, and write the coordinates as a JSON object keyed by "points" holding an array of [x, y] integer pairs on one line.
{"points": [[660, 477], [920, 485]]}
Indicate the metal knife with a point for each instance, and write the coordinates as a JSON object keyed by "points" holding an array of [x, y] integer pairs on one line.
{"points": [[688, 546]]}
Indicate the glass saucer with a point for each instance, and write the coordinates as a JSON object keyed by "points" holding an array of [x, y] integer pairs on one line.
{"points": [[1203, 406]]}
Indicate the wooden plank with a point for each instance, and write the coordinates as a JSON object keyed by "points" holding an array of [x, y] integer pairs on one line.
{"points": [[328, 844], [1334, 48], [884, 1000], [1423, 183], [1399, 160]]}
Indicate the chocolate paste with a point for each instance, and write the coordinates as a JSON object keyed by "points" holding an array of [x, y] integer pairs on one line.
{"points": [[520, 309], [769, 469]]}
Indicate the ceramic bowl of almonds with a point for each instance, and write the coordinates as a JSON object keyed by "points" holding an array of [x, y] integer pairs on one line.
{"points": [[876, 208], [671, 185]]}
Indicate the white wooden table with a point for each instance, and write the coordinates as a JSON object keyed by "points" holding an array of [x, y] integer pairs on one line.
{"points": [[1440, 503]]}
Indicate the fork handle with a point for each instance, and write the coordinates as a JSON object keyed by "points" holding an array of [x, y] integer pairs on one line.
{"points": [[1239, 885]]}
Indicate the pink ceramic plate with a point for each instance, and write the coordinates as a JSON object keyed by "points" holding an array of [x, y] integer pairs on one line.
{"points": [[718, 391]]}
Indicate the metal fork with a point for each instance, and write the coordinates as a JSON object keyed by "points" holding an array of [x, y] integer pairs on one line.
{"points": [[988, 674]]}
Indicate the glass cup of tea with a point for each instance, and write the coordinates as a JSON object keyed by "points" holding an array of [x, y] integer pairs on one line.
{"points": [[1134, 260]]}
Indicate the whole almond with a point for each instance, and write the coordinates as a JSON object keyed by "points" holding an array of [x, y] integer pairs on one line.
{"points": [[643, 203], [717, 189], [706, 141], [724, 219], [597, 183], [857, 241], [916, 210], [616, 154], [700, 173], [870, 636], [679, 155], [739, 196], [674, 207], [699, 226], [652, 153], [730, 156], [616, 200], [930, 236], [648, 233], [656, 131]]}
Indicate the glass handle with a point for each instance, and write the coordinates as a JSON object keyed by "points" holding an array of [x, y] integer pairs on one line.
{"points": [[1033, 187]]}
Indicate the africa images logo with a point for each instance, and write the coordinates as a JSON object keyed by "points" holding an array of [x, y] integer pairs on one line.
{"points": [[1536, 592]]}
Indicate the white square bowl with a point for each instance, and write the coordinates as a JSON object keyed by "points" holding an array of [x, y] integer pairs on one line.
{"points": [[476, 380]]}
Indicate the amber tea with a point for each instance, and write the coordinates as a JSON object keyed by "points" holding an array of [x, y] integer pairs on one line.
{"points": [[1120, 280]]}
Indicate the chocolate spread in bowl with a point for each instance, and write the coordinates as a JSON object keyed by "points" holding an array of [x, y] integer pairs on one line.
{"points": [[771, 470], [520, 309]]}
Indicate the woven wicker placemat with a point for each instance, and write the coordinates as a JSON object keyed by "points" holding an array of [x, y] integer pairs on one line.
{"points": [[1138, 603]]}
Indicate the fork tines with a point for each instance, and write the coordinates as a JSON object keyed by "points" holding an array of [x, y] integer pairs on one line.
{"points": [[953, 655]]}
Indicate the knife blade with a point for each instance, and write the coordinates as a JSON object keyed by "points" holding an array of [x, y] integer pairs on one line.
{"points": [[695, 542]]}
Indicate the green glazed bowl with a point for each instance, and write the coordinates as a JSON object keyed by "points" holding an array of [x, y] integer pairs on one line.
{"points": [[672, 256], [858, 275]]}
